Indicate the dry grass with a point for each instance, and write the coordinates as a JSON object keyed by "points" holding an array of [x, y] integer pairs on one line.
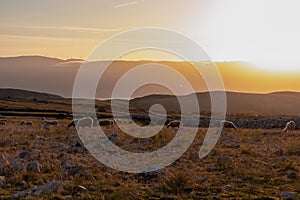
{"points": [[260, 166]]}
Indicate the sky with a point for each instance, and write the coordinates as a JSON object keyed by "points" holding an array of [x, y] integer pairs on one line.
{"points": [[264, 33]]}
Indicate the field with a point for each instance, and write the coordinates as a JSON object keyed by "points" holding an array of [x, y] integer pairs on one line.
{"points": [[245, 164], [52, 163]]}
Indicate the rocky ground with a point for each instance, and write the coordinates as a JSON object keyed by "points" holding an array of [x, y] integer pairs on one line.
{"points": [[39, 163], [257, 123]]}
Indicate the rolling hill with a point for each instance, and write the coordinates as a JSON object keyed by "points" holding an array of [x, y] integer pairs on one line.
{"points": [[26, 95], [273, 104], [238, 104]]}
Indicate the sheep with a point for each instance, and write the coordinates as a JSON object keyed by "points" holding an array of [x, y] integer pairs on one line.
{"points": [[106, 122], [2, 122], [72, 123], [290, 126], [174, 124], [228, 124], [83, 122], [26, 123], [50, 122]]}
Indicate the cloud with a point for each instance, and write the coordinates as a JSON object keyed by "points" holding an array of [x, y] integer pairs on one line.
{"points": [[125, 4], [82, 28], [59, 28]]}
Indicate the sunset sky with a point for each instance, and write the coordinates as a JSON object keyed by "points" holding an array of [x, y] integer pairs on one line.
{"points": [[264, 34]]}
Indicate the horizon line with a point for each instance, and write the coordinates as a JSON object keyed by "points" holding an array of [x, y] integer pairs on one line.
{"points": [[111, 60], [181, 95]]}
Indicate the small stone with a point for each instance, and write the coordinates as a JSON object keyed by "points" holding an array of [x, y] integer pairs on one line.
{"points": [[72, 138], [10, 142], [283, 158], [236, 180], [23, 142], [24, 185], [188, 189], [2, 171], [203, 179], [211, 169], [51, 187], [1, 184], [65, 164], [265, 133], [288, 194], [92, 188], [39, 182], [76, 169], [194, 156], [33, 135], [279, 152], [236, 145], [34, 166], [274, 165], [59, 146], [2, 143], [42, 138], [17, 164], [25, 154], [292, 174], [68, 197], [228, 187], [21, 194]]}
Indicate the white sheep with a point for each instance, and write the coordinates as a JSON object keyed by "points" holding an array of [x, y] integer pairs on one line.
{"points": [[82, 122], [174, 124], [290, 126], [228, 124], [28, 123], [50, 122], [3, 120], [106, 122]]}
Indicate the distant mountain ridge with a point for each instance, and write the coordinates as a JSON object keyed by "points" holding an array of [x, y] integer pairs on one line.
{"points": [[57, 76], [9, 93], [272, 104]]}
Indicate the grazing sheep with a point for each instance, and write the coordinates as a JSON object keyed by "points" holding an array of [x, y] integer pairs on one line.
{"points": [[106, 122], [72, 123], [50, 122], [2, 122], [228, 124], [290, 126], [83, 122], [174, 124], [26, 123]]}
